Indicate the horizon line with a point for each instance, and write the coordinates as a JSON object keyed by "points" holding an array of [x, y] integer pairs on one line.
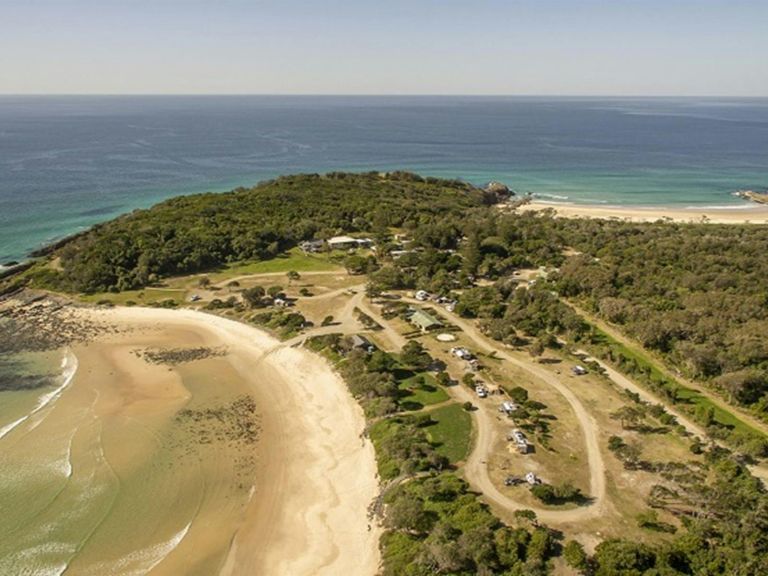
{"points": [[370, 94]]}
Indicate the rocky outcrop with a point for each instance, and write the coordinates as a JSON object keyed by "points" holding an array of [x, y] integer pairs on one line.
{"points": [[759, 197], [498, 188]]}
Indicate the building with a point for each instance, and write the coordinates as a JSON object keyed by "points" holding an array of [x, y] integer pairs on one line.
{"points": [[425, 321], [361, 343], [312, 246], [347, 242]]}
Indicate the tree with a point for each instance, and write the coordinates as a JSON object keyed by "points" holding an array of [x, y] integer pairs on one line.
{"points": [[407, 513], [615, 443], [526, 514], [575, 556], [519, 394], [355, 264], [629, 416], [275, 291], [254, 296], [536, 349], [705, 415], [293, 276], [373, 290], [622, 558], [380, 361], [327, 321], [415, 356], [443, 378], [204, 282]]}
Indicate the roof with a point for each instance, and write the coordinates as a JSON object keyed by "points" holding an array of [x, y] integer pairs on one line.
{"points": [[425, 320], [358, 341], [342, 240]]}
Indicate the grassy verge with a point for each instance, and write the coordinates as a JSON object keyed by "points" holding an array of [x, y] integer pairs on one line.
{"points": [[419, 391], [645, 369], [452, 432]]}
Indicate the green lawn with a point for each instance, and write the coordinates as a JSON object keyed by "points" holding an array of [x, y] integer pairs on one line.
{"points": [[421, 390], [140, 297], [452, 432], [293, 260]]}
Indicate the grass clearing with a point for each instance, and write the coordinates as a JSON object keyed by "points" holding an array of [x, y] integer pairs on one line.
{"points": [[138, 297], [293, 260], [452, 432], [421, 390]]}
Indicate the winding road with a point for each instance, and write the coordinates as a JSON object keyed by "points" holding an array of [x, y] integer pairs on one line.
{"points": [[476, 469]]}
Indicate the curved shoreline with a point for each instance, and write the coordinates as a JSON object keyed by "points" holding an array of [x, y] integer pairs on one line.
{"points": [[315, 477], [738, 214]]}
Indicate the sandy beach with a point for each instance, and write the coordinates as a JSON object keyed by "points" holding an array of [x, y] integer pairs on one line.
{"points": [[191, 484], [738, 214], [315, 476]]}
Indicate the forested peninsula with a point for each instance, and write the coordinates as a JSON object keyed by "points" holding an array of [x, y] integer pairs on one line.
{"points": [[692, 296]]}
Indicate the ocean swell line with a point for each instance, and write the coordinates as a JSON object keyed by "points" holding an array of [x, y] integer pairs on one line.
{"points": [[69, 366]]}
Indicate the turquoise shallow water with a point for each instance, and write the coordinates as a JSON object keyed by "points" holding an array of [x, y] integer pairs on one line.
{"points": [[69, 162]]}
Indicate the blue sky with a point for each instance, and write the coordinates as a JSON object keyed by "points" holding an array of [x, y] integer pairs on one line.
{"points": [[573, 47]]}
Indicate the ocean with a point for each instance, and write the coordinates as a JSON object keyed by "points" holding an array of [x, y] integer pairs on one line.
{"points": [[68, 162]]}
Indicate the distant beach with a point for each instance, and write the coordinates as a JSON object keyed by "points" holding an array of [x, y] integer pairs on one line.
{"points": [[742, 213]]}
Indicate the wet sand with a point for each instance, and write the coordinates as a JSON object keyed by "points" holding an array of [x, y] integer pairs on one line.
{"points": [[749, 213], [314, 476]]}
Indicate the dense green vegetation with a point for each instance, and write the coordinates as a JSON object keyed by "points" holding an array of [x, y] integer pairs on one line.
{"points": [[204, 231], [723, 510], [436, 526], [694, 294]]}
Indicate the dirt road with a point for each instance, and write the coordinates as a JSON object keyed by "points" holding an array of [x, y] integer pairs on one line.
{"points": [[476, 470]]}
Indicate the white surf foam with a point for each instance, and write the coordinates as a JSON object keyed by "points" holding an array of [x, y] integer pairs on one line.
{"points": [[6, 429], [147, 558], [69, 368]]}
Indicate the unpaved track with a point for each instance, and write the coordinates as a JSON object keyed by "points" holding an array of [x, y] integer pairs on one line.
{"points": [[737, 411], [476, 469], [691, 427]]}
